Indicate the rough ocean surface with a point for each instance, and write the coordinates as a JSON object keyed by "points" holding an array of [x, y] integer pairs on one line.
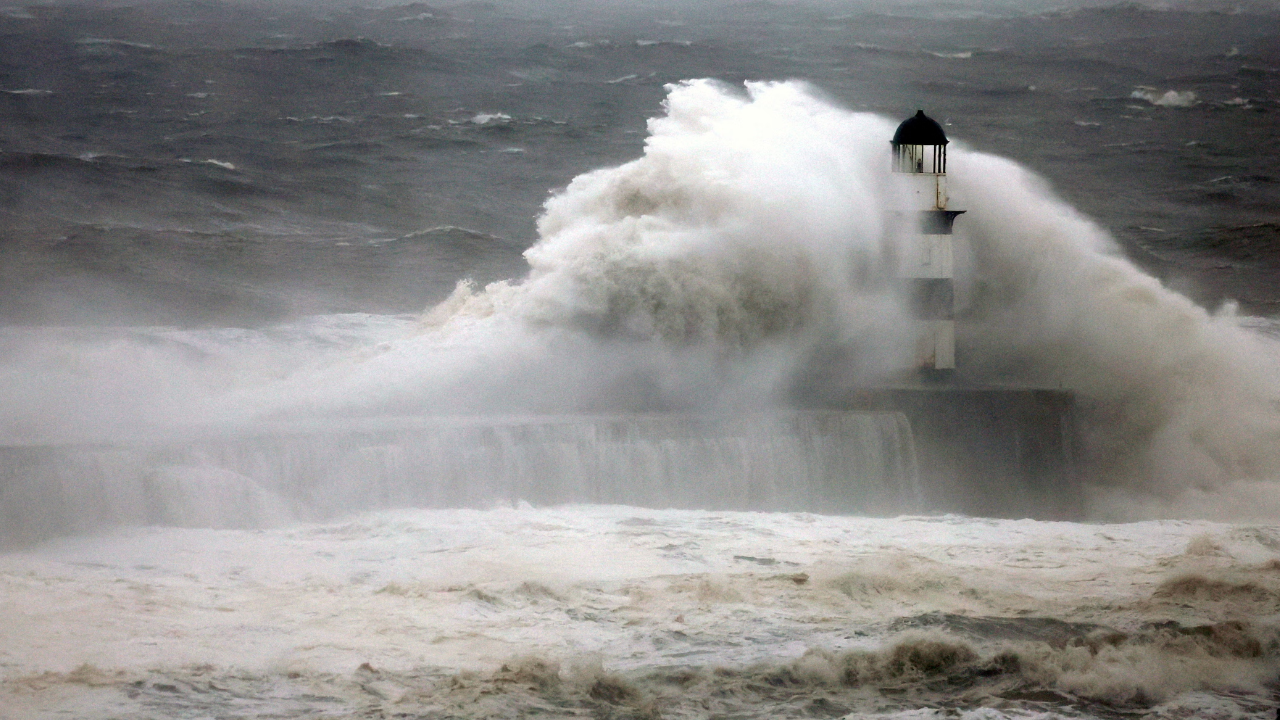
{"points": [[220, 218], [596, 611], [246, 162]]}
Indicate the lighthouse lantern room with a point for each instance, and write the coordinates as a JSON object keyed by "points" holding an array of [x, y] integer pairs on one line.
{"points": [[920, 146]]}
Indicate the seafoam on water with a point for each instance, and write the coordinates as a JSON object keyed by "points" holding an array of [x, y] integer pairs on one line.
{"points": [[583, 610]]}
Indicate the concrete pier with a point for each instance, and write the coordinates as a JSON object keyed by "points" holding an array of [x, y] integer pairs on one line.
{"points": [[986, 451]]}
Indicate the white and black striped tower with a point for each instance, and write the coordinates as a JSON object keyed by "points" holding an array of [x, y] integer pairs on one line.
{"points": [[928, 260]]}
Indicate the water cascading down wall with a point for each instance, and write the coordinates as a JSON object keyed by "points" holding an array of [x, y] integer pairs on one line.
{"points": [[815, 461]]}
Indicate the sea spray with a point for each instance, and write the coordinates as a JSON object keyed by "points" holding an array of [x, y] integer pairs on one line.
{"points": [[771, 215], [700, 277], [1176, 402], [755, 234]]}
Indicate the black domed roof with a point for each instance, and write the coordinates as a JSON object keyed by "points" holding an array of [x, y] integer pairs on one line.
{"points": [[920, 129]]}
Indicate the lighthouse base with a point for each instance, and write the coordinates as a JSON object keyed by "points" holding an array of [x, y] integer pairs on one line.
{"points": [[985, 451]]}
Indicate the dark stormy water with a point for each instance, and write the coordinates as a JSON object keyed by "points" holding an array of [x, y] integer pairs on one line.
{"points": [[178, 163], [432, 360]]}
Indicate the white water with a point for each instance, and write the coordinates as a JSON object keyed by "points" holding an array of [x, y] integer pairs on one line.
{"points": [[172, 623]]}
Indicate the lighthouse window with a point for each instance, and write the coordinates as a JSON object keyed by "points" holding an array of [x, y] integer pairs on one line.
{"points": [[922, 159]]}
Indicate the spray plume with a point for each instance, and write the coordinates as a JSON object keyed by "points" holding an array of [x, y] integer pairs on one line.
{"points": [[755, 234], [765, 221]]}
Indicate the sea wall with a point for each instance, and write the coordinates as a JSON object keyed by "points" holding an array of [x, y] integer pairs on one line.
{"points": [[817, 461], [983, 451]]}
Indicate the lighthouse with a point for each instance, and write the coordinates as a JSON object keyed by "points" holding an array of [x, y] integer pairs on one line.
{"points": [[927, 262]]}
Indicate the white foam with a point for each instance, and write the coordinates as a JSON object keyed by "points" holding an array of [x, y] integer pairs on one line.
{"points": [[634, 589], [490, 119], [1170, 98]]}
